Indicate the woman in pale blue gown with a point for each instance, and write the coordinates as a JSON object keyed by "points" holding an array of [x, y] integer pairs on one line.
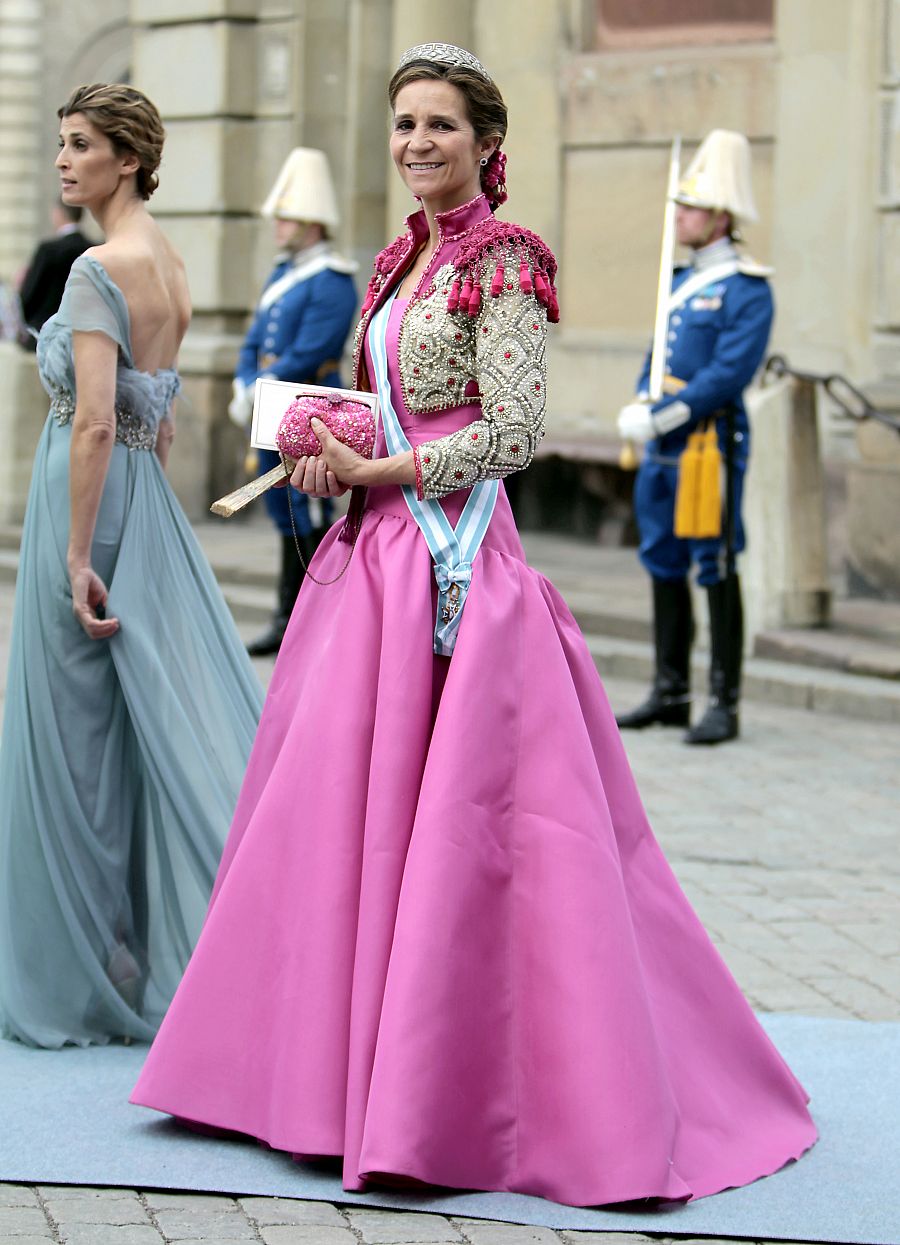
{"points": [[131, 705]]}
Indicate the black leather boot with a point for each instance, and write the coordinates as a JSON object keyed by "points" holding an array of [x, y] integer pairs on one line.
{"points": [[726, 637], [669, 702], [289, 580]]}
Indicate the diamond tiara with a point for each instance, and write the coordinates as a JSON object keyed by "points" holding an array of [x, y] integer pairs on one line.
{"points": [[444, 54]]}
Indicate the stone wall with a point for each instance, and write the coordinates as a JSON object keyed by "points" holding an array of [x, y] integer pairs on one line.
{"points": [[45, 51], [620, 110], [20, 111], [241, 81], [873, 484]]}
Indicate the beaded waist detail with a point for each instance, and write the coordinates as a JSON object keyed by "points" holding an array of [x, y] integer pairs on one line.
{"points": [[131, 430]]}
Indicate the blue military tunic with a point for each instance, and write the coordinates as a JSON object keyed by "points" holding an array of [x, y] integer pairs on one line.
{"points": [[305, 313], [717, 339]]}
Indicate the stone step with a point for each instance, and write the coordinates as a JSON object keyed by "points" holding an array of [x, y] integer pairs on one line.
{"points": [[616, 656], [851, 652], [9, 564], [244, 574], [791, 670], [772, 682], [247, 602], [596, 617]]}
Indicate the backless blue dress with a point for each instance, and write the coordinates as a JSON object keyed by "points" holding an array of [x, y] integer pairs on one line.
{"points": [[121, 759]]}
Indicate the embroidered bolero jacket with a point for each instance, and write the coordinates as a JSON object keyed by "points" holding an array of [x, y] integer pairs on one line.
{"points": [[472, 333]]}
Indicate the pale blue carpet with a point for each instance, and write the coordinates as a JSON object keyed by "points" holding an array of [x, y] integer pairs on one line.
{"points": [[65, 1119]]}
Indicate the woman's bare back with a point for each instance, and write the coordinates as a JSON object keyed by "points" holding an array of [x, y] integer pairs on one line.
{"points": [[150, 273]]}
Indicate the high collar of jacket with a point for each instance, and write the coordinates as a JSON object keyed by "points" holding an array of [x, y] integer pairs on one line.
{"points": [[299, 259], [450, 224], [714, 253]]}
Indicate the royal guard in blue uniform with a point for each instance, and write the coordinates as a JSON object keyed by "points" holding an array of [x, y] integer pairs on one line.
{"points": [[719, 319], [302, 321]]}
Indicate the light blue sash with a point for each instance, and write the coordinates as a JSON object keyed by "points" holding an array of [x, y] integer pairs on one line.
{"points": [[452, 549]]}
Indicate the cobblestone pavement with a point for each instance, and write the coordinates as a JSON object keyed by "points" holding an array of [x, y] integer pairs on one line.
{"points": [[786, 843]]}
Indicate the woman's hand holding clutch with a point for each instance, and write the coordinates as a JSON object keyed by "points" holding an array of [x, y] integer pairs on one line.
{"points": [[334, 471]]}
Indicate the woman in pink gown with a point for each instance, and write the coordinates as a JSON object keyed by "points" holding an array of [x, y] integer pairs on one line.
{"points": [[444, 942]]}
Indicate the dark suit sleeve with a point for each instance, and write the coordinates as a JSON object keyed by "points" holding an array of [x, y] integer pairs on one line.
{"points": [[30, 295]]}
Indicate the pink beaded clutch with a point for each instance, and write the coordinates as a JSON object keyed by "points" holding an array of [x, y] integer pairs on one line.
{"points": [[349, 421]]}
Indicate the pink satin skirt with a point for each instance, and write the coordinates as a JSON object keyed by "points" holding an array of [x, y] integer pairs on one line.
{"points": [[444, 942]]}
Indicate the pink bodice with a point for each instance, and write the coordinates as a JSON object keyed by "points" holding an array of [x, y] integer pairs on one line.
{"points": [[419, 426], [427, 426]]}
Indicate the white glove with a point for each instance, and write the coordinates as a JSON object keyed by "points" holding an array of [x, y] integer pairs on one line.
{"points": [[636, 423], [240, 408], [671, 416]]}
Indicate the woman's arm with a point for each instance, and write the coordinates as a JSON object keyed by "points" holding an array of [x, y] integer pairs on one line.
{"points": [[165, 435], [93, 437], [510, 342]]}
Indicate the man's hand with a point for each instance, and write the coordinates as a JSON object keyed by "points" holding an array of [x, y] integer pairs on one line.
{"points": [[240, 408], [636, 423]]}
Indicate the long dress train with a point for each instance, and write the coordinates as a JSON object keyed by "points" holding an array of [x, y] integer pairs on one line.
{"points": [[121, 760]]}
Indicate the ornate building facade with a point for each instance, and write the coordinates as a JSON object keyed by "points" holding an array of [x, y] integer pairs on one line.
{"points": [[596, 89]]}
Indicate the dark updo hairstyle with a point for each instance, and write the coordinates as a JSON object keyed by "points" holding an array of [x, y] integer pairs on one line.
{"points": [[129, 120], [484, 107]]}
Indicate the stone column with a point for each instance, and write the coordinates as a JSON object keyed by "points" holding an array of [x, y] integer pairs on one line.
{"points": [[198, 60], [22, 404], [20, 118], [873, 482], [785, 568], [825, 155], [826, 160], [520, 46], [367, 170], [887, 315]]}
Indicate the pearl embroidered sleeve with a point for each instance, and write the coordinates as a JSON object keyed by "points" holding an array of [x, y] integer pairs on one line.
{"points": [[510, 332]]}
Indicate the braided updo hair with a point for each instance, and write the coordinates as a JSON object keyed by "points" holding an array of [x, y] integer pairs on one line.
{"points": [[129, 120], [484, 107]]}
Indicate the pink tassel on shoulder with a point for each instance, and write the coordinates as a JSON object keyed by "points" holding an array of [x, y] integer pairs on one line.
{"points": [[370, 297], [525, 278], [497, 281], [453, 297], [475, 302], [541, 288], [465, 294]]}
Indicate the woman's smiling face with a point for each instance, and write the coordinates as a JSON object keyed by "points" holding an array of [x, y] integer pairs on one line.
{"points": [[434, 146]]}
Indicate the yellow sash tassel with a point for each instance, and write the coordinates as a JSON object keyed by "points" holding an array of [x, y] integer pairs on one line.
{"points": [[698, 501]]}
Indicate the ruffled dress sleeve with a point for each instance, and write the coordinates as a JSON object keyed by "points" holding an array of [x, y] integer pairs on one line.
{"points": [[91, 304]]}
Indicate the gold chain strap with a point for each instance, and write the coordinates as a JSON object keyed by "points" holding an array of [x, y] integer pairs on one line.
{"points": [[323, 583]]}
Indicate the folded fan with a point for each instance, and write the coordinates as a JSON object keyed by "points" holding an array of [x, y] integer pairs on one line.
{"points": [[349, 421]]}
